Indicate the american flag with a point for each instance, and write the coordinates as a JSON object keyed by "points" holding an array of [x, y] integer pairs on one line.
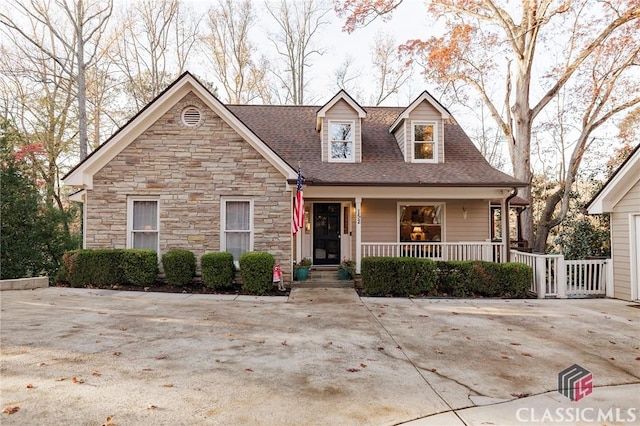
{"points": [[298, 209]]}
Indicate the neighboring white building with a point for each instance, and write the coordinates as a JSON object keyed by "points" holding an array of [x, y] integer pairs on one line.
{"points": [[620, 197]]}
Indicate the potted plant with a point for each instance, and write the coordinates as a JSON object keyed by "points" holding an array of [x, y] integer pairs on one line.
{"points": [[301, 268], [347, 269]]}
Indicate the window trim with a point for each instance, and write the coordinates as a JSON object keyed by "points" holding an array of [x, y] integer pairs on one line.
{"points": [[414, 123], [353, 141], [422, 203], [130, 201], [223, 216]]}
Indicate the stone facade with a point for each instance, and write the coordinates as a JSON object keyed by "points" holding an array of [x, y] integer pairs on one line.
{"points": [[190, 169]]}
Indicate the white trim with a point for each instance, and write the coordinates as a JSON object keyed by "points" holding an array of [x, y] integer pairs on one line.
{"points": [[341, 95], [424, 96], [407, 192], [634, 255], [330, 159], [443, 211], [624, 179], [413, 142], [223, 216], [130, 200], [83, 174]]}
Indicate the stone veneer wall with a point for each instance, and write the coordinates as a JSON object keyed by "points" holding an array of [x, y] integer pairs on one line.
{"points": [[190, 169]]}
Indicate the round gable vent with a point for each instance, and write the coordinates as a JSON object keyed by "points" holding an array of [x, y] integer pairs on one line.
{"points": [[191, 116]]}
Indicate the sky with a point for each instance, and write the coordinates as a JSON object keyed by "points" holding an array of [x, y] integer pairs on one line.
{"points": [[407, 22]]}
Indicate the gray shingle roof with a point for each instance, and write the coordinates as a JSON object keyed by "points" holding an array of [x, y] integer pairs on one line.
{"points": [[290, 132]]}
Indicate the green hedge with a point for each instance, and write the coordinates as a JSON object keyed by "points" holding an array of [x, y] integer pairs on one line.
{"points": [[179, 266], [256, 270], [104, 267], [403, 276], [487, 279], [139, 267], [218, 270], [399, 276]]}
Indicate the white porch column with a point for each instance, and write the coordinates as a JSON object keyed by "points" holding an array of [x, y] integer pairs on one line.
{"points": [[504, 216], [358, 233]]}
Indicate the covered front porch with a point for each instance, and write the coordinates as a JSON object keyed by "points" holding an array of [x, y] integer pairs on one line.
{"points": [[440, 223]]}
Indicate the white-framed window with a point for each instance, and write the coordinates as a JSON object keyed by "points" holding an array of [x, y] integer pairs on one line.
{"points": [[236, 226], [341, 141], [143, 223], [420, 221], [424, 141]]}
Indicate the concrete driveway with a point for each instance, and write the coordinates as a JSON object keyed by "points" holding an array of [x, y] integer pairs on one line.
{"points": [[320, 356]]}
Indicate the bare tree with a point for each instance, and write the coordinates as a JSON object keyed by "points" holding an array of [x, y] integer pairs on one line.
{"points": [[152, 46], [298, 24], [76, 26], [389, 70], [231, 53], [595, 47], [346, 77]]}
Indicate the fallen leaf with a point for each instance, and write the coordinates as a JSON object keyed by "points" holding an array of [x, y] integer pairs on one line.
{"points": [[167, 385], [509, 329], [438, 351], [108, 422], [526, 354], [11, 410], [96, 373], [248, 369], [433, 370], [612, 342], [424, 316], [515, 344], [76, 380], [380, 348], [151, 407], [363, 365], [116, 353], [29, 386], [352, 370], [123, 328], [467, 337], [161, 357], [42, 364], [638, 358], [61, 379], [612, 358], [454, 313], [454, 329], [506, 357], [399, 347], [284, 343]]}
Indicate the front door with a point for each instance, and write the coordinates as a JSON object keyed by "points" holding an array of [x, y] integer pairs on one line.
{"points": [[326, 233]]}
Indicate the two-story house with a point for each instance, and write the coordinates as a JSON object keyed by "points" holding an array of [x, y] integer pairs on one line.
{"points": [[191, 172]]}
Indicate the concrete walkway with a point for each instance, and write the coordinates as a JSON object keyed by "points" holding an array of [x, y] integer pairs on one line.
{"points": [[320, 356]]}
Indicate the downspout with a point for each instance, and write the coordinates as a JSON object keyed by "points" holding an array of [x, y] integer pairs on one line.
{"points": [[506, 236]]}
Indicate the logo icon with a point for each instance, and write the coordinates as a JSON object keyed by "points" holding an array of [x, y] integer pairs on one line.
{"points": [[575, 382]]}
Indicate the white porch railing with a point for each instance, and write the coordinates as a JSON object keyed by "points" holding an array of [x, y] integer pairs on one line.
{"points": [[553, 276], [492, 252]]}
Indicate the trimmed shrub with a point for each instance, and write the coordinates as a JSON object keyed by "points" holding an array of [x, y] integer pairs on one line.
{"points": [[218, 270], [139, 267], [515, 279], [378, 275], [487, 279], [94, 267], [402, 276], [256, 270], [179, 266]]}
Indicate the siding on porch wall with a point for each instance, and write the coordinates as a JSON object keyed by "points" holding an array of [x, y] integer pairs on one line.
{"points": [[189, 170], [380, 220]]}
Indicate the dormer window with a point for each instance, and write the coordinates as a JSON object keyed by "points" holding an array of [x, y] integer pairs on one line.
{"points": [[424, 137], [341, 141]]}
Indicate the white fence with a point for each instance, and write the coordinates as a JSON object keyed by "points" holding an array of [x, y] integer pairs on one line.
{"points": [[492, 252], [553, 276]]}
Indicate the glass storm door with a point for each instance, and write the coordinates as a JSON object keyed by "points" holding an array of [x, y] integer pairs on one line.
{"points": [[326, 233]]}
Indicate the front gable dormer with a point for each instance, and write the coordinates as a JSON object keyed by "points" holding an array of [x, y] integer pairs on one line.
{"points": [[419, 130], [339, 123]]}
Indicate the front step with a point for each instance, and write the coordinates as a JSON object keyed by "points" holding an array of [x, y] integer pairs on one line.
{"points": [[323, 278]]}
